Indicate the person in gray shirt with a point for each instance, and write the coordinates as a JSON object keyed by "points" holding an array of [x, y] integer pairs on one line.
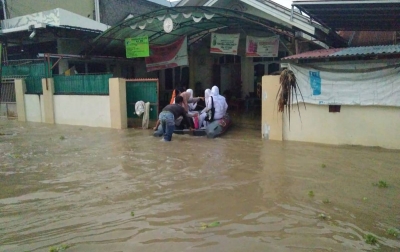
{"points": [[168, 115]]}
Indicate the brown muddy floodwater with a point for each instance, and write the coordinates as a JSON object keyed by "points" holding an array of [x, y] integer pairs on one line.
{"points": [[77, 186]]}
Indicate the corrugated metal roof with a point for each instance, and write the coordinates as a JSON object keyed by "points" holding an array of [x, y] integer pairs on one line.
{"points": [[353, 15], [368, 38], [347, 52]]}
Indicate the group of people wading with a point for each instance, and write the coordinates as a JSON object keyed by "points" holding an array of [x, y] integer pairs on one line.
{"points": [[181, 113]]}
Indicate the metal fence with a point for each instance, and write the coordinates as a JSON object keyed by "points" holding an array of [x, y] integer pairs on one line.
{"points": [[34, 85], [8, 106], [32, 71], [91, 84], [7, 90], [26, 69]]}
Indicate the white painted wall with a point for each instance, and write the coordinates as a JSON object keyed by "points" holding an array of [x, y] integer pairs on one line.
{"points": [[88, 110], [354, 125], [42, 107], [33, 107]]}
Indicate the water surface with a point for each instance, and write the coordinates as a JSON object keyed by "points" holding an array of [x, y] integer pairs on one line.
{"points": [[77, 186]]}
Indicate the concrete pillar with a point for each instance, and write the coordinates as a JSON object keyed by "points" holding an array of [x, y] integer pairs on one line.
{"points": [[118, 110], [20, 89], [63, 66], [271, 120], [247, 75], [48, 100], [192, 70]]}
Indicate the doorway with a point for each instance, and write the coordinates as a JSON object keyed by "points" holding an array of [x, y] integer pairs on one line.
{"points": [[227, 75]]}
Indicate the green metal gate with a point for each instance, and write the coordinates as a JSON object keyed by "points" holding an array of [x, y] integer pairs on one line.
{"points": [[142, 90], [33, 71]]}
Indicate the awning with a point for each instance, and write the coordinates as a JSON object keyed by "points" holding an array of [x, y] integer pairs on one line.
{"points": [[193, 22], [353, 15], [55, 18]]}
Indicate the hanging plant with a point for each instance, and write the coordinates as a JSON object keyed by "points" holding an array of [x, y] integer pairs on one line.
{"points": [[287, 91]]}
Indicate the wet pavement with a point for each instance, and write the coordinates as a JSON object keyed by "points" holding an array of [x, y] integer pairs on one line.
{"points": [[94, 189]]}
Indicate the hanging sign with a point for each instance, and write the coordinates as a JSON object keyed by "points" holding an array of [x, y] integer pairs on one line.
{"points": [[262, 46], [224, 43], [339, 86], [168, 56], [137, 47]]}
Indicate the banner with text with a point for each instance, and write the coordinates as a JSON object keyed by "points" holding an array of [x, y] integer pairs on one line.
{"points": [[224, 43], [349, 84], [168, 56], [262, 46], [137, 47]]}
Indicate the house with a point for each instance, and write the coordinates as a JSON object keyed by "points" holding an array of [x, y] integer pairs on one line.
{"points": [[31, 29], [234, 73], [63, 27], [351, 95]]}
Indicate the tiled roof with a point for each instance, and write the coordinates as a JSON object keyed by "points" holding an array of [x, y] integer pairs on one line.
{"points": [[347, 52]]}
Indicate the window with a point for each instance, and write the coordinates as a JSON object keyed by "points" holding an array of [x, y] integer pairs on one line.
{"points": [[227, 59], [176, 77], [334, 108]]}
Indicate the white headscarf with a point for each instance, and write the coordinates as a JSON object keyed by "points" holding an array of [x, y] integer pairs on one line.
{"points": [[207, 94], [219, 103], [214, 91]]}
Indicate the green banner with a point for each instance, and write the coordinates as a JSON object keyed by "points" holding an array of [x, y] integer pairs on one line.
{"points": [[137, 47]]}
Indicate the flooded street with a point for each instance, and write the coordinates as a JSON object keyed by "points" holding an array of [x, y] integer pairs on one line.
{"points": [[124, 190]]}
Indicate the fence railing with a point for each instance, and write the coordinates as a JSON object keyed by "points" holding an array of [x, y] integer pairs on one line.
{"points": [[27, 69], [91, 84], [34, 85], [33, 71], [7, 91]]}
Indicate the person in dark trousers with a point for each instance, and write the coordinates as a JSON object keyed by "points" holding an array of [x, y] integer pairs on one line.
{"points": [[175, 93], [167, 117]]}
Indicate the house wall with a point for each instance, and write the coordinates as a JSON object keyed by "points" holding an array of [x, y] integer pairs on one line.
{"points": [[18, 8], [88, 110], [202, 66], [271, 119], [33, 107], [354, 125]]}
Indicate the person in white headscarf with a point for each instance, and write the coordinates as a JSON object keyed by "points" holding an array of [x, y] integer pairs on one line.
{"points": [[203, 113], [219, 101]]}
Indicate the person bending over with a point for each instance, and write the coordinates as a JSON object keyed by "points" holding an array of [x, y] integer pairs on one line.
{"points": [[167, 117]]}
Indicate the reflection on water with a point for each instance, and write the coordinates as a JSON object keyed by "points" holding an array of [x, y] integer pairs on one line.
{"points": [[79, 185]]}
